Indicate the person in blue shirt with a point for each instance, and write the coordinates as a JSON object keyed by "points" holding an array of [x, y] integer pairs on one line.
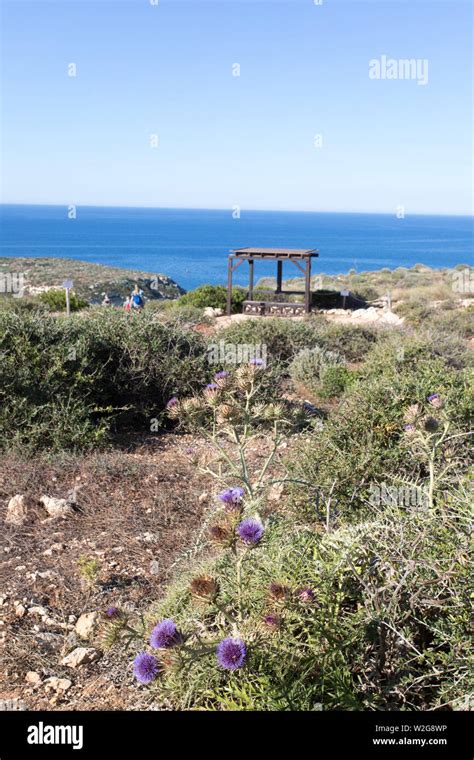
{"points": [[137, 298]]}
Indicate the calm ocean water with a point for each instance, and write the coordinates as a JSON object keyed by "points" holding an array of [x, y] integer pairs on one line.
{"points": [[191, 246]]}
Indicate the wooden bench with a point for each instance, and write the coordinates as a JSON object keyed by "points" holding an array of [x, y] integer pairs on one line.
{"points": [[273, 308]]}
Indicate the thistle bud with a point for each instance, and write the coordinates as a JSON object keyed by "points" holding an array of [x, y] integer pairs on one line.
{"points": [[222, 534], [204, 587], [411, 413]]}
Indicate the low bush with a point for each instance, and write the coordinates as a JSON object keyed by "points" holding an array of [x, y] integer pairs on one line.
{"points": [[55, 300], [365, 438], [215, 296], [23, 305], [414, 313], [366, 292], [351, 342], [456, 322], [173, 312], [277, 340], [334, 381], [404, 349], [71, 382], [310, 364], [427, 293], [284, 338]]}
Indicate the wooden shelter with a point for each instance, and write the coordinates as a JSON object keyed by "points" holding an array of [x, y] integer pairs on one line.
{"points": [[300, 257]]}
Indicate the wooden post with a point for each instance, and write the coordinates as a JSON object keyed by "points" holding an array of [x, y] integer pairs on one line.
{"points": [[307, 286], [229, 286], [279, 275], [250, 279], [67, 285]]}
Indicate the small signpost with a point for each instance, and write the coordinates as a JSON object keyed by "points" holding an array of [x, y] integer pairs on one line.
{"points": [[67, 285], [344, 294]]}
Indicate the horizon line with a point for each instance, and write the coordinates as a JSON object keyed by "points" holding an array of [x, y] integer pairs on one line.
{"points": [[226, 208]]}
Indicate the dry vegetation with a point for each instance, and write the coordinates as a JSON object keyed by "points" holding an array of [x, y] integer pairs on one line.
{"points": [[79, 429]]}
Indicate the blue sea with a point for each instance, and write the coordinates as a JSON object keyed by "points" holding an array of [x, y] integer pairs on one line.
{"points": [[191, 245]]}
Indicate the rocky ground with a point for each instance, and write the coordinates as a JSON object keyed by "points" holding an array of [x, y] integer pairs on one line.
{"points": [[122, 518], [371, 315], [89, 533]]}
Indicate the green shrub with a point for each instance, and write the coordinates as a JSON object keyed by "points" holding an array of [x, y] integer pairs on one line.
{"points": [[350, 341], [415, 313], [70, 382], [25, 304], [173, 312], [371, 616], [55, 300], [284, 338], [309, 365], [334, 381], [215, 296], [366, 292], [278, 339], [404, 349], [365, 435], [457, 321]]}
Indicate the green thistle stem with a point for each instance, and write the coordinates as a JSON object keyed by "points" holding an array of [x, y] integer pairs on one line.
{"points": [[238, 569]]}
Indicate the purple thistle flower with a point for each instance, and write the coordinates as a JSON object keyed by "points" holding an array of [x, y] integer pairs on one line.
{"points": [[212, 387], [231, 497], [112, 612], [221, 375], [273, 621], [172, 402], [145, 667], [250, 531], [408, 427], [231, 653], [164, 635], [257, 362], [435, 400], [307, 595]]}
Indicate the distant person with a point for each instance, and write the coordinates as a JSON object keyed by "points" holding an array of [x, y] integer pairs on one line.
{"points": [[137, 298], [127, 304], [106, 300]]}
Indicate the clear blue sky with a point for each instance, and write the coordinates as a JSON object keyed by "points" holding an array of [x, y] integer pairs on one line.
{"points": [[248, 140]]}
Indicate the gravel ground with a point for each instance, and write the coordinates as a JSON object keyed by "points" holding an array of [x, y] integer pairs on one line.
{"points": [[136, 511]]}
